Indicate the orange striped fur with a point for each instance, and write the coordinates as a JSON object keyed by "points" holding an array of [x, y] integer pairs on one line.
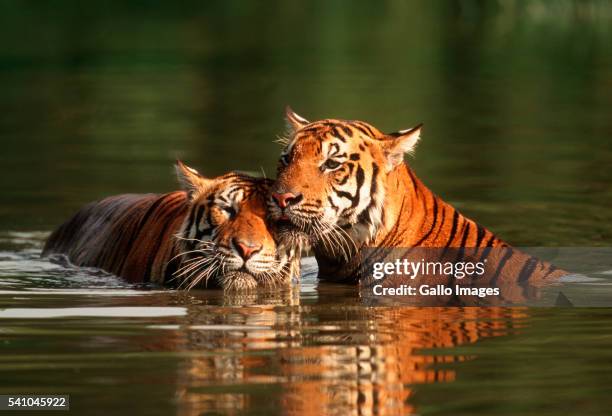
{"points": [[345, 186], [213, 233], [131, 236]]}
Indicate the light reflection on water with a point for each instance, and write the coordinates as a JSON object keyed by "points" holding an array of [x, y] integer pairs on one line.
{"points": [[107, 312], [308, 350]]}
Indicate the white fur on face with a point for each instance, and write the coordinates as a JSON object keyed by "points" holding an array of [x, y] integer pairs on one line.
{"points": [[363, 227]]}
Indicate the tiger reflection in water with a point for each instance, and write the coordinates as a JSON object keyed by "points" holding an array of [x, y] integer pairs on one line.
{"points": [[346, 361]]}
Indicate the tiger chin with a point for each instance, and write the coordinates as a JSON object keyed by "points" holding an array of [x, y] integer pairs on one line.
{"points": [[215, 233]]}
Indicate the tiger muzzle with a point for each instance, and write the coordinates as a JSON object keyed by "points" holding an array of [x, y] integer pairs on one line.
{"points": [[286, 199]]}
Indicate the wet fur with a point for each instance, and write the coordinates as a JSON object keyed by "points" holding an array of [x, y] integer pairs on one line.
{"points": [[373, 200], [156, 238]]}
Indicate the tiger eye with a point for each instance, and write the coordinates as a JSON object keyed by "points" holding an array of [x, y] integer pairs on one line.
{"points": [[331, 164]]}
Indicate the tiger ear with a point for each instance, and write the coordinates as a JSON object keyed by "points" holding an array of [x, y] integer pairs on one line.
{"points": [[396, 145], [294, 121], [191, 180]]}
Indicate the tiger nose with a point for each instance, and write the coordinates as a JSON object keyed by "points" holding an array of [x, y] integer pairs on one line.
{"points": [[246, 249], [286, 199]]}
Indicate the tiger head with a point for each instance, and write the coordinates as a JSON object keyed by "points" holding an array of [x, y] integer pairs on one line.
{"points": [[332, 179], [226, 238]]}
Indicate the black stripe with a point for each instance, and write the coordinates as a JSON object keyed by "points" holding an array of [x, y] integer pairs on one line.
{"points": [[441, 223], [365, 126], [412, 179], [500, 266], [138, 228], [331, 203], [453, 228], [312, 130], [466, 234], [364, 216], [189, 222], [360, 179], [343, 194], [484, 254], [347, 131], [153, 253], [433, 224], [201, 233], [198, 218], [338, 135], [361, 129], [334, 148], [487, 249], [551, 268], [527, 270], [374, 184], [480, 233], [209, 221], [344, 180], [169, 215]]}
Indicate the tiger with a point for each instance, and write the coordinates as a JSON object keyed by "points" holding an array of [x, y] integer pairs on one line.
{"points": [[214, 232], [344, 186], [370, 364]]}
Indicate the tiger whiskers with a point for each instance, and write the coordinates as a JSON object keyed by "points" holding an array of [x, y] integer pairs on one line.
{"points": [[192, 265], [345, 237], [276, 273], [217, 261], [327, 233], [202, 264], [331, 236], [180, 237], [185, 273], [205, 246], [195, 272], [282, 140], [203, 251]]}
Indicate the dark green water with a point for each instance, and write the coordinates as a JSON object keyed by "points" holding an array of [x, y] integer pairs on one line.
{"points": [[100, 99]]}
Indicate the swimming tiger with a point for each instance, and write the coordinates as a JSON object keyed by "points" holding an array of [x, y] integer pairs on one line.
{"points": [[345, 187], [212, 233]]}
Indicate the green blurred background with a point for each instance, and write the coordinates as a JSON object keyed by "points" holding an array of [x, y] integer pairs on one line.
{"points": [[98, 98]]}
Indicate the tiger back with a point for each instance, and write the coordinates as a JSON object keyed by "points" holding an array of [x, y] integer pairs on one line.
{"points": [[130, 235]]}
